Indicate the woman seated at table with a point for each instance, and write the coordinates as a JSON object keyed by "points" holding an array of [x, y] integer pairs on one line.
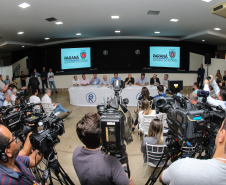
{"points": [[75, 81], [155, 137], [144, 95]]}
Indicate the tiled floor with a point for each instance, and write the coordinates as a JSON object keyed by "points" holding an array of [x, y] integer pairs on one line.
{"points": [[69, 141]]}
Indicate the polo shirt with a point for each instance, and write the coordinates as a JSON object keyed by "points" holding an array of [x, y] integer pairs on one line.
{"points": [[96, 81], [113, 79], [107, 82], [142, 82], [9, 176]]}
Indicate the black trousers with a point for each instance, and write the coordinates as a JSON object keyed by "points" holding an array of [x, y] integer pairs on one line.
{"points": [[43, 83], [200, 80]]}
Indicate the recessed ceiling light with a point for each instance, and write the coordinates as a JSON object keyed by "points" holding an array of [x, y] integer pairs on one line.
{"points": [[174, 20], [20, 33], [115, 17], [78, 34], [157, 32], [46, 38], [23, 46], [24, 5], [207, 1], [203, 40], [59, 22], [217, 29], [117, 31]]}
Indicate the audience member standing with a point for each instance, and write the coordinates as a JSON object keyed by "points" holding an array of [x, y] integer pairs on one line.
{"points": [[95, 80], [115, 78], [201, 72], [37, 75], [33, 82], [129, 80], [51, 81], [44, 79], [14, 82], [7, 80], [84, 81], [75, 81], [218, 77], [23, 79], [142, 81], [2, 85]]}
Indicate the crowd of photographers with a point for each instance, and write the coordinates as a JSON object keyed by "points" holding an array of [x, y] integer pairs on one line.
{"points": [[94, 166]]}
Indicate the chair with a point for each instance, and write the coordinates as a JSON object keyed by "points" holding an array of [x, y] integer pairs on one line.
{"points": [[154, 154], [145, 124]]}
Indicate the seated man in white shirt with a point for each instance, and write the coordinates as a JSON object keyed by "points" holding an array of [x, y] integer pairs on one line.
{"points": [[50, 107], [105, 81], [7, 100], [13, 96], [35, 99], [75, 81]]}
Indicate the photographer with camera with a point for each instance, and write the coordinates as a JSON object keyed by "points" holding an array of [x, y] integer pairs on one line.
{"points": [[196, 171], [219, 91], [91, 165], [13, 162]]}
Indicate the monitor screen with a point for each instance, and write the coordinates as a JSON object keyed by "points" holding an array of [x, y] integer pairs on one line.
{"points": [[165, 57], [74, 58], [175, 85]]}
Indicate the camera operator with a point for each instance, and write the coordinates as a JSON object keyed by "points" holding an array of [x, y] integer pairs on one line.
{"points": [[13, 162], [91, 165], [195, 171], [220, 92]]}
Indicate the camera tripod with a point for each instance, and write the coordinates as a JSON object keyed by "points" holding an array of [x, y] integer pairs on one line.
{"points": [[53, 167]]}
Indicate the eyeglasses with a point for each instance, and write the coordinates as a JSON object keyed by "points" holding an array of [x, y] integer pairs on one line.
{"points": [[14, 138]]}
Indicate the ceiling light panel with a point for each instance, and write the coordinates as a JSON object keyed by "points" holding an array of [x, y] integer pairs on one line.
{"points": [[59, 22], [117, 31], [20, 33], [46, 38], [157, 32], [78, 34], [217, 29], [115, 17], [174, 20], [207, 1], [24, 5]]}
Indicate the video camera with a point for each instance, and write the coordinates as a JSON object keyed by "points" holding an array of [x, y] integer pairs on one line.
{"points": [[115, 122]]}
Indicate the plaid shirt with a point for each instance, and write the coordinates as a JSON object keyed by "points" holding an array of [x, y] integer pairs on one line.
{"points": [[9, 176]]}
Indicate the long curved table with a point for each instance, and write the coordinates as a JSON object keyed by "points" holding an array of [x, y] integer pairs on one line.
{"points": [[94, 95]]}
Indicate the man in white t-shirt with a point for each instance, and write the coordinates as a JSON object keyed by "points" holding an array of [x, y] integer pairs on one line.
{"points": [[50, 107], [51, 80], [13, 96], [35, 99], [7, 100], [75, 81]]}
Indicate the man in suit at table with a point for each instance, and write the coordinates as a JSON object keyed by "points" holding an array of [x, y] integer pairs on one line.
{"points": [[154, 80]]}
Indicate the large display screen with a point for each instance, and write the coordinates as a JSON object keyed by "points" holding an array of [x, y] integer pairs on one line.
{"points": [[165, 57], [73, 58]]}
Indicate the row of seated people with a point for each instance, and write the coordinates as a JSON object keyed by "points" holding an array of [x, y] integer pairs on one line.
{"points": [[141, 81]]}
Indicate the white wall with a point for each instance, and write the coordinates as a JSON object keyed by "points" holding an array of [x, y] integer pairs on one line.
{"points": [[23, 65], [215, 65]]}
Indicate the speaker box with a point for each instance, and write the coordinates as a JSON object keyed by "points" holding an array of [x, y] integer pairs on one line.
{"points": [[207, 58], [29, 63]]}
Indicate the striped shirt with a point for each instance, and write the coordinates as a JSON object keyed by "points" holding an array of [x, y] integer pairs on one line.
{"points": [[9, 176]]}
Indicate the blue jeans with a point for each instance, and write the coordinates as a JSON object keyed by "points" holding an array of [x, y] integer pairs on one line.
{"points": [[52, 83], [59, 108]]}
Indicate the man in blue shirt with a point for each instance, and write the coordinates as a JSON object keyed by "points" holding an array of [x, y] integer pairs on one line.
{"points": [[14, 163], [142, 81], [115, 78], [201, 72], [105, 81], [1, 99], [160, 90], [7, 80], [95, 80]]}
